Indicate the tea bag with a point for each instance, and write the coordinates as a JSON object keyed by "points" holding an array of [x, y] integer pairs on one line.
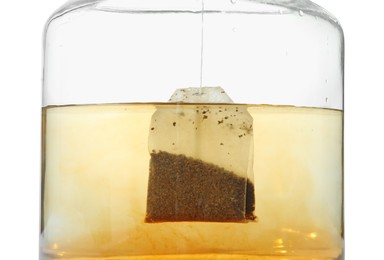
{"points": [[201, 147]]}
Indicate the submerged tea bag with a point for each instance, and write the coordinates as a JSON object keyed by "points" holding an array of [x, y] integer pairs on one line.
{"points": [[201, 150]]}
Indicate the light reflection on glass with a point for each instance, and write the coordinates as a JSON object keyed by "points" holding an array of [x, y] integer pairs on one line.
{"points": [[312, 235]]}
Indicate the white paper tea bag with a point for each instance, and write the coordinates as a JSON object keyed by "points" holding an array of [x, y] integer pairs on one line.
{"points": [[201, 147]]}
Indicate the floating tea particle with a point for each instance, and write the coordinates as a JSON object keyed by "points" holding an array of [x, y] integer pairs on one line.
{"points": [[201, 159]]}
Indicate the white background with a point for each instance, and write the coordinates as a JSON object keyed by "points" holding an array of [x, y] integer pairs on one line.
{"points": [[21, 27]]}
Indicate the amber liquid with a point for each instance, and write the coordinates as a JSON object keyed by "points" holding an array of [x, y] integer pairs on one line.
{"points": [[95, 177]]}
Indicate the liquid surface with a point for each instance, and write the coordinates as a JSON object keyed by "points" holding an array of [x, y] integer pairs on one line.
{"points": [[95, 182]]}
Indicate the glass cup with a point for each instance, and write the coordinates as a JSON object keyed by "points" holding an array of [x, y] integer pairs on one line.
{"points": [[192, 129]]}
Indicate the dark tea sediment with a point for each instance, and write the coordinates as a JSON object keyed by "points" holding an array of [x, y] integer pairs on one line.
{"points": [[181, 188]]}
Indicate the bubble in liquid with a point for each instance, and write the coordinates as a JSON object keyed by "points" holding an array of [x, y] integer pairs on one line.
{"points": [[301, 13], [233, 1]]}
